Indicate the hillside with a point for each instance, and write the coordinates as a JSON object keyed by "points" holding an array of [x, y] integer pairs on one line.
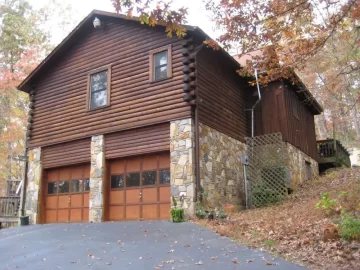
{"points": [[297, 231]]}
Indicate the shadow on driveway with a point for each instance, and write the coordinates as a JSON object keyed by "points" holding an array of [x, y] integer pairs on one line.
{"points": [[127, 245]]}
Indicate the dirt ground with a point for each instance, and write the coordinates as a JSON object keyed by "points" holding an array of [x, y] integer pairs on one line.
{"points": [[294, 229]]}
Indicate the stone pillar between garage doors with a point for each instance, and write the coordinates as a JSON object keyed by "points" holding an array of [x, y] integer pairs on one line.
{"points": [[182, 163], [33, 185], [97, 172]]}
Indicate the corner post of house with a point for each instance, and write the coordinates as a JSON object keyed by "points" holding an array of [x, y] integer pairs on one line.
{"points": [[34, 175], [97, 174], [182, 164]]}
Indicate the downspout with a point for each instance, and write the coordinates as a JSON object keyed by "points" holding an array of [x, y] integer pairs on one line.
{"points": [[256, 103], [197, 134], [24, 184]]}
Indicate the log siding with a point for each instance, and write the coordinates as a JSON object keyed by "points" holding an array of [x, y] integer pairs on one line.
{"points": [[60, 95], [221, 94]]}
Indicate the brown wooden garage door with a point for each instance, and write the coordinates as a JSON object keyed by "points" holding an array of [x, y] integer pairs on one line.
{"points": [[67, 194], [139, 188]]}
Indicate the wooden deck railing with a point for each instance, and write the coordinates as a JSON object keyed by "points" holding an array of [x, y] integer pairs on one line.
{"points": [[9, 207], [330, 152]]}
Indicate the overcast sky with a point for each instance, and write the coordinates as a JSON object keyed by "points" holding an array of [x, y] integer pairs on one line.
{"points": [[198, 16]]}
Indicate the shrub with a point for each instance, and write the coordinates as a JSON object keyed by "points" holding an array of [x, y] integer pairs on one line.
{"points": [[177, 214], [349, 227], [221, 214], [326, 204], [263, 195]]}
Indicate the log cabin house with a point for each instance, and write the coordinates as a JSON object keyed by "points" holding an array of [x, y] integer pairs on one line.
{"points": [[123, 119]]}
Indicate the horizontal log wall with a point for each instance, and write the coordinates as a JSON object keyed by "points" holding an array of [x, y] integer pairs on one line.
{"points": [[222, 94], [150, 139], [60, 113], [69, 153]]}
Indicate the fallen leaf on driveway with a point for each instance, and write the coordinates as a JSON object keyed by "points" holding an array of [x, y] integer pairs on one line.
{"points": [[199, 262], [214, 258], [171, 251], [235, 260]]}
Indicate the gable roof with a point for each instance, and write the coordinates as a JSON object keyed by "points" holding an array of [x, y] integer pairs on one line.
{"points": [[26, 84]]}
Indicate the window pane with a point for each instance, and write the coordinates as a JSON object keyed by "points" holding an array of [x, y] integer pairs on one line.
{"points": [[133, 179], [87, 184], [164, 177], [149, 178], [52, 188], [99, 81], [160, 58], [98, 99], [76, 185], [117, 181], [64, 187], [160, 73]]}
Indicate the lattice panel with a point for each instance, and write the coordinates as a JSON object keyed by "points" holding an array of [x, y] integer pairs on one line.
{"points": [[267, 170]]}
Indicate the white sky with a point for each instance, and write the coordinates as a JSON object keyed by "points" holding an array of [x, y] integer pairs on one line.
{"points": [[198, 16]]}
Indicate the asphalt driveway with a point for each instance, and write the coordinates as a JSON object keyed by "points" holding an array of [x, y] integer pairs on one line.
{"points": [[130, 245]]}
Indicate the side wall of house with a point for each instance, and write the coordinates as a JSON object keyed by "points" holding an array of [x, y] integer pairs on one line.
{"points": [[222, 98], [222, 95], [221, 168], [301, 166], [275, 114]]}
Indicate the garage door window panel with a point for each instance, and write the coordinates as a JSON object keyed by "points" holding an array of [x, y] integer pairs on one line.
{"points": [[149, 178], [164, 177], [87, 185], [117, 181], [64, 187], [52, 188], [132, 179], [76, 186]]}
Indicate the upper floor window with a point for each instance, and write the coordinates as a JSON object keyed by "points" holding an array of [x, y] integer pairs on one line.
{"points": [[99, 88], [295, 106], [160, 64]]}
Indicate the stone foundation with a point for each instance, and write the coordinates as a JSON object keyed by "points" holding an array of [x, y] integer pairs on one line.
{"points": [[182, 163], [297, 165], [221, 169], [96, 178], [33, 185]]}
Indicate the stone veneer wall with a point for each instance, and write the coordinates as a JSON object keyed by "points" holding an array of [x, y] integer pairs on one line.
{"points": [[221, 169], [182, 163], [97, 172], [296, 159], [33, 185]]}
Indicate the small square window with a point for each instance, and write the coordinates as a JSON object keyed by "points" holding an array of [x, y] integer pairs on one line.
{"points": [[160, 64], [295, 106], [99, 88]]}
